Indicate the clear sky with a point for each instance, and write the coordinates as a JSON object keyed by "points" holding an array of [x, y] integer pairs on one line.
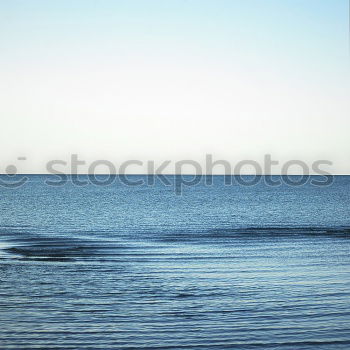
{"points": [[174, 79]]}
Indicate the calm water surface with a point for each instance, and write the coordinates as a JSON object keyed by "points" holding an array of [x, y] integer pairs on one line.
{"points": [[219, 267]]}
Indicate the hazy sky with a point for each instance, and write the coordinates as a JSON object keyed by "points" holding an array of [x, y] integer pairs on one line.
{"points": [[173, 79]]}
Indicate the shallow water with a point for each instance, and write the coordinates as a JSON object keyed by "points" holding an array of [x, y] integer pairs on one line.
{"points": [[221, 267]]}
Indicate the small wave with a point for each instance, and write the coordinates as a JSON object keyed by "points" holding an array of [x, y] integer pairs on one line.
{"points": [[39, 247], [251, 232]]}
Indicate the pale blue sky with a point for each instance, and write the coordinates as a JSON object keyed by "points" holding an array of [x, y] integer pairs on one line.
{"points": [[174, 79]]}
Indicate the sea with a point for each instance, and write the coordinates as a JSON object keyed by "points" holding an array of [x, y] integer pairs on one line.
{"points": [[207, 265]]}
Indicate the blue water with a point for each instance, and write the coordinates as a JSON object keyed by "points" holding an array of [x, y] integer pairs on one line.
{"points": [[141, 267]]}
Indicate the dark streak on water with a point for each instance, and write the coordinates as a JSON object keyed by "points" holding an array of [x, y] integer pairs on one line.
{"points": [[141, 268]]}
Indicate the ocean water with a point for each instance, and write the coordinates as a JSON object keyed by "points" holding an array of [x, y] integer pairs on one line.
{"points": [[142, 267]]}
